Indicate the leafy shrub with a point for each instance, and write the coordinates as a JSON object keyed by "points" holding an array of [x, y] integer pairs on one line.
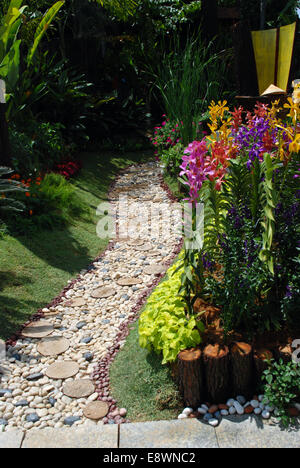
{"points": [[164, 326], [36, 148], [172, 158], [282, 387]]}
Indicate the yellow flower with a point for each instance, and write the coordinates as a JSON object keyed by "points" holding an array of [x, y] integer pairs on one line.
{"points": [[294, 110], [295, 145]]}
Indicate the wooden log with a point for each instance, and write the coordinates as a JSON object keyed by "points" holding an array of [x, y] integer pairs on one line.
{"points": [[261, 356], [242, 369], [190, 377], [217, 372]]}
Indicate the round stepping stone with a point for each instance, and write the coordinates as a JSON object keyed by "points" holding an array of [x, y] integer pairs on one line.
{"points": [[38, 329], [53, 345], [136, 242], [103, 292], [96, 410], [154, 269], [62, 370], [144, 248], [78, 388], [128, 281], [78, 302]]}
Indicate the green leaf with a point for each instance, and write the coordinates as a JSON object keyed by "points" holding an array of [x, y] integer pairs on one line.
{"points": [[42, 28]]}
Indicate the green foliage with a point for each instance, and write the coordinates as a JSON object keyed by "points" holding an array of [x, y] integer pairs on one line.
{"points": [[188, 78], [163, 325], [9, 187], [36, 148], [172, 159], [282, 387]]}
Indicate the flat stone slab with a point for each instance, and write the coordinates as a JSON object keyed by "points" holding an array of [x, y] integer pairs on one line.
{"points": [[77, 302], [189, 433], [103, 292], [11, 439], [53, 346], [252, 432], [136, 242], [129, 281], [38, 329], [144, 248], [80, 388], [62, 370], [78, 437], [96, 410], [154, 269]]}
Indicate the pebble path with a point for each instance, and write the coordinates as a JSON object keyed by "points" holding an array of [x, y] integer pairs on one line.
{"points": [[57, 369]]}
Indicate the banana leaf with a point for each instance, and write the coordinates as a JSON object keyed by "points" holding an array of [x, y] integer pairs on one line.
{"points": [[42, 28]]}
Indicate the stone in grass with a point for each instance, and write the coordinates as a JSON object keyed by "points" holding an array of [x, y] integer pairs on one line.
{"points": [[69, 421], [33, 418]]}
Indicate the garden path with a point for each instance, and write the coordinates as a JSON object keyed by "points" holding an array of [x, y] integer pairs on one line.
{"points": [[57, 371]]}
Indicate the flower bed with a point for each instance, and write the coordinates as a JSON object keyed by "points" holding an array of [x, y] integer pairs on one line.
{"points": [[241, 286]]}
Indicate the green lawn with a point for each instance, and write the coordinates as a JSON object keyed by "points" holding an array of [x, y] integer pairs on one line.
{"points": [[35, 268], [142, 385]]}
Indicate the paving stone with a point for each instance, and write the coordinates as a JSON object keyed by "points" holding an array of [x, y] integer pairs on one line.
{"points": [[96, 410], [38, 329], [53, 346], [128, 281], [11, 439], [154, 269], [252, 432], [78, 302], [136, 242], [103, 292], [62, 370], [79, 388], [77, 437], [189, 433]]}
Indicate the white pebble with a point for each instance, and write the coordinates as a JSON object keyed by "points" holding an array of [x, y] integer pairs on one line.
{"points": [[239, 409], [232, 410], [258, 411], [213, 422], [182, 416], [201, 411], [254, 403], [230, 402], [224, 412], [266, 415], [241, 399], [187, 411]]}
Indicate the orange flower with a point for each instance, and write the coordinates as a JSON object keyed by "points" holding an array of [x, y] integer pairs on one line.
{"points": [[27, 194], [30, 212]]}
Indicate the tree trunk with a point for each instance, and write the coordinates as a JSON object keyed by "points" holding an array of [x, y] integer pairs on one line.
{"points": [[190, 377], [217, 368], [242, 369], [261, 356]]}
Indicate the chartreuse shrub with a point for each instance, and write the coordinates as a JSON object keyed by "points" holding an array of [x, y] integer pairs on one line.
{"points": [[164, 326]]}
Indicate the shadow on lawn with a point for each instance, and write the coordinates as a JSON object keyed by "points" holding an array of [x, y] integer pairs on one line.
{"points": [[13, 312]]}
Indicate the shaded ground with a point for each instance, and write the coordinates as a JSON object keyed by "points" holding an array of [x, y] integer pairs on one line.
{"points": [[35, 268]]}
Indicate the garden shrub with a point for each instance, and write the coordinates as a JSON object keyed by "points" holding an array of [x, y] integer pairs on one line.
{"points": [[282, 387], [163, 326]]}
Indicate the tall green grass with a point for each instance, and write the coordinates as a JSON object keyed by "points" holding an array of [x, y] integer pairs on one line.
{"points": [[188, 78]]}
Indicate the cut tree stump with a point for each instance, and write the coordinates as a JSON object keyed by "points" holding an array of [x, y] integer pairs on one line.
{"points": [[217, 372], [242, 369], [190, 377], [261, 356]]}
